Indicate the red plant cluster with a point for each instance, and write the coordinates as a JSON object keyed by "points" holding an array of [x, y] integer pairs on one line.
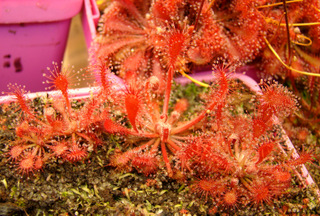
{"points": [[153, 127], [240, 158], [58, 131], [237, 157], [278, 38], [133, 33]]}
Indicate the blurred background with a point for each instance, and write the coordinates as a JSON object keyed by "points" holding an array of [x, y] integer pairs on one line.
{"points": [[76, 53]]}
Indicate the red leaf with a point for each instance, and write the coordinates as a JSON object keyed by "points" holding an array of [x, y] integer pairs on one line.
{"points": [[176, 44], [181, 105], [264, 150], [302, 159], [132, 107], [112, 127]]}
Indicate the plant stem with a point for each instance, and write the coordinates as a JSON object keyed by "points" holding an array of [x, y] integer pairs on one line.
{"points": [[287, 27], [198, 16], [168, 91]]}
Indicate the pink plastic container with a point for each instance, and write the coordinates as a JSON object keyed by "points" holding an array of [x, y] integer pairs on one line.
{"points": [[33, 34]]}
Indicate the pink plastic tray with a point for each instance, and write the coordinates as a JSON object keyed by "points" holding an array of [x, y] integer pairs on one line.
{"points": [[34, 34]]}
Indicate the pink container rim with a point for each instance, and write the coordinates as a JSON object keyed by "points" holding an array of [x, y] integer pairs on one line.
{"points": [[30, 11]]}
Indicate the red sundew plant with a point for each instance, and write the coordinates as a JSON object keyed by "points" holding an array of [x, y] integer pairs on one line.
{"points": [[242, 157], [178, 35], [280, 38], [292, 51], [153, 126], [59, 131], [232, 157], [136, 34], [237, 158], [133, 33]]}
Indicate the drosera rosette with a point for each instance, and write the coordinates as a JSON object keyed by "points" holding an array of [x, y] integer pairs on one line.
{"points": [[153, 125], [247, 155], [133, 35], [60, 129], [243, 153]]}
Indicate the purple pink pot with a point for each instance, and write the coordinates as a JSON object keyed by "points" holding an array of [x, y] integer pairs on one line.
{"points": [[34, 34]]}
